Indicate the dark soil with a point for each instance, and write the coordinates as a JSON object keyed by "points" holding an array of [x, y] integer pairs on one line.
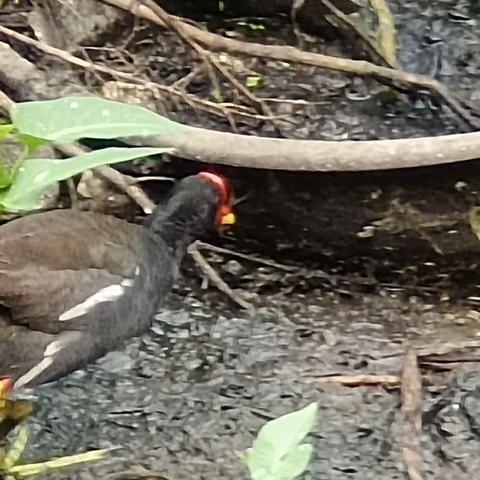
{"points": [[184, 398]]}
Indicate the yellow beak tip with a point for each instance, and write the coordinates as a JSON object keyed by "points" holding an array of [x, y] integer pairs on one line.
{"points": [[228, 219]]}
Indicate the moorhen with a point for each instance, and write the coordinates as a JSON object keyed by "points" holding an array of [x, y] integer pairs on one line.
{"points": [[74, 285]]}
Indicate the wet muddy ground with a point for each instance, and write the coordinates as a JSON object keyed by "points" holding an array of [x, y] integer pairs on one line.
{"points": [[184, 398]]}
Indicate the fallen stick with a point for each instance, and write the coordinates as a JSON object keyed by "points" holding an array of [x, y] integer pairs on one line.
{"points": [[148, 9], [360, 380], [250, 258], [248, 151], [218, 109], [215, 278], [412, 416]]}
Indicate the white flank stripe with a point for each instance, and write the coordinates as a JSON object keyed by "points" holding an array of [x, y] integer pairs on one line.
{"points": [[33, 372], [53, 348], [49, 352], [107, 294]]}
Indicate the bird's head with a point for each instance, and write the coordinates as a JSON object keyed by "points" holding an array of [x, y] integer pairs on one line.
{"points": [[225, 216]]}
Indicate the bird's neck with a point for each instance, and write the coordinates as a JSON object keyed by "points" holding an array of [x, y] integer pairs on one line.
{"points": [[176, 225]]}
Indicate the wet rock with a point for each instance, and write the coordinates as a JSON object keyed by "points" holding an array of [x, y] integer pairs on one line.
{"points": [[115, 362]]}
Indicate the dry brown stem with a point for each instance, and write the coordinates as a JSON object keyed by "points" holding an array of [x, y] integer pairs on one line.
{"points": [[133, 79], [176, 25], [250, 258], [412, 416], [361, 380], [273, 153], [215, 278], [389, 76]]}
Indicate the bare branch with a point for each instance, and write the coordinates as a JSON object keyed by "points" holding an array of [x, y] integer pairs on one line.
{"points": [[389, 76]]}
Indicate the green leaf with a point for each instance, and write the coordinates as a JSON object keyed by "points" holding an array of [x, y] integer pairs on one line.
{"points": [[254, 81], [252, 26], [287, 431], [294, 462], [474, 219], [216, 95], [16, 450], [6, 130], [30, 142], [5, 175], [36, 174], [276, 453], [289, 467], [71, 118]]}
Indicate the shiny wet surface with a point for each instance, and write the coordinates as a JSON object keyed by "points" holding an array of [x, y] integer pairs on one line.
{"points": [[184, 398]]}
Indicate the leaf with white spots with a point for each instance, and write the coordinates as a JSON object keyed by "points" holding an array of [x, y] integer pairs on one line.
{"points": [[71, 118], [35, 175]]}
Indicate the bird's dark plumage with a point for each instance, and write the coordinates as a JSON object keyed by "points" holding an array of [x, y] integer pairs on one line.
{"points": [[74, 285]]}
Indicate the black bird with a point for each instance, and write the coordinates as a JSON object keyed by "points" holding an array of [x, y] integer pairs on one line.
{"points": [[74, 285]]}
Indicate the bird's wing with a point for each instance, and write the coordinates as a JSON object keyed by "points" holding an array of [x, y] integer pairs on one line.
{"points": [[63, 276], [52, 301], [70, 240], [50, 320], [33, 357]]}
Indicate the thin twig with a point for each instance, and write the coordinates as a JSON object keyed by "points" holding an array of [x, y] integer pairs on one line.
{"points": [[121, 181], [390, 76], [183, 82], [190, 99], [219, 109], [72, 193], [215, 277], [296, 6], [177, 26], [250, 258], [209, 62], [153, 178]]}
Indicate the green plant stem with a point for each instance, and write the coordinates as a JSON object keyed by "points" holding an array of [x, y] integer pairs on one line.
{"points": [[19, 161]]}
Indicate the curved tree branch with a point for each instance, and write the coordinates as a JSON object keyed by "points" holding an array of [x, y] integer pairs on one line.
{"points": [[273, 153], [316, 155]]}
